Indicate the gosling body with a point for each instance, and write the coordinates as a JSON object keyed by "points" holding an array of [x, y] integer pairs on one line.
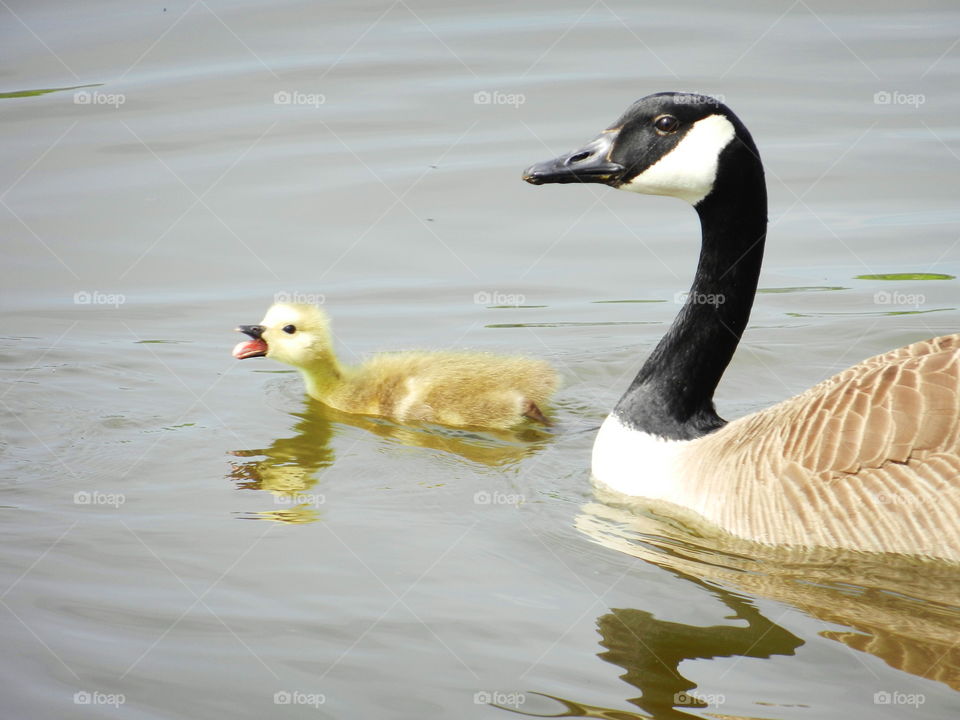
{"points": [[460, 389]]}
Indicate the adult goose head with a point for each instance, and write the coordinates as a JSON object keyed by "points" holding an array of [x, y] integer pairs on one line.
{"points": [[868, 459]]}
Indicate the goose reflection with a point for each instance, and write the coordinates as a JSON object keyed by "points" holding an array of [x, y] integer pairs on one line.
{"points": [[901, 610], [651, 650], [290, 466]]}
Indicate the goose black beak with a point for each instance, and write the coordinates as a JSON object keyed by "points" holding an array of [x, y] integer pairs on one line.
{"points": [[591, 163]]}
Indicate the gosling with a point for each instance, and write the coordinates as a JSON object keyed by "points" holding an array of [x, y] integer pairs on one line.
{"points": [[460, 389]]}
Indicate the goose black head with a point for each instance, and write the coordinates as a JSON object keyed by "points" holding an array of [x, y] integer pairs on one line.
{"points": [[668, 143]]}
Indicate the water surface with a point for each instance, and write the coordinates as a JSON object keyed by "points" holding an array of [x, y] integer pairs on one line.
{"points": [[188, 532]]}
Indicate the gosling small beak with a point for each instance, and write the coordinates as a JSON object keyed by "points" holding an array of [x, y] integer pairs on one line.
{"points": [[255, 347], [254, 331], [591, 163]]}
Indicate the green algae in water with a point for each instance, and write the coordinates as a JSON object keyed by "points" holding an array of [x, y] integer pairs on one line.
{"points": [[801, 289], [906, 276], [867, 314], [43, 91]]}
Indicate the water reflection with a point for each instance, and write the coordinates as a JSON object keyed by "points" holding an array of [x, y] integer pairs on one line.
{"points": [[651, 650], [901, 610], [290, 466]]}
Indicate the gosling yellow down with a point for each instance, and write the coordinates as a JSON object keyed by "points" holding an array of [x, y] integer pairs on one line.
{"points": [[461, 389]]}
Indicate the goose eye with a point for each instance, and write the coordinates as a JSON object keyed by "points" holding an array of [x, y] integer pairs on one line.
{"points": [[666, 124], [290, 329]]}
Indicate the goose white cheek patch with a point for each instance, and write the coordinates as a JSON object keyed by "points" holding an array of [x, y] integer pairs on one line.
{"points": [[690, 169]]}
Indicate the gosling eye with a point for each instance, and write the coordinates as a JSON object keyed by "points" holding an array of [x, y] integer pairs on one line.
{"points": [[290, 329], [666, 124]]}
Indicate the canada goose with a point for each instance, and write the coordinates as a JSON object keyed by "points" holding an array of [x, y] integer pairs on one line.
{"points": [[462, 389], [867, 459]]}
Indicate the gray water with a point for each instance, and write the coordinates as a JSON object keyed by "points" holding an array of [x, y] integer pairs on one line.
{"points": [[184, 535]]}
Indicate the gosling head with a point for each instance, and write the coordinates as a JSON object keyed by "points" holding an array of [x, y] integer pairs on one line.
{"points": [[664, 144], [292, 333]]}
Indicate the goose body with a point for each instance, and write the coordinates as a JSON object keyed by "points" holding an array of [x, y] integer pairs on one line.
{"points": [[460, 389], [868, 459]]}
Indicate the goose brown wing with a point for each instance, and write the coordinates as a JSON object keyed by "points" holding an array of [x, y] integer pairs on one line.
{"points": [[894, 407]]}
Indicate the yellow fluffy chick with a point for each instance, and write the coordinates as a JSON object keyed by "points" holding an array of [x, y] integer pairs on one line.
{"points": [[462, 389]]}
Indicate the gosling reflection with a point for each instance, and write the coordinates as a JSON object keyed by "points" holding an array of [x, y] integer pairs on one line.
{"points": [[493, 448], [651, 650], [290, 466], [288, 469], [901, 610]]}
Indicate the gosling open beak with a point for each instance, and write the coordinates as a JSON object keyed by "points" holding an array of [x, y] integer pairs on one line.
{"points": [[591, 163], [255, 347]]}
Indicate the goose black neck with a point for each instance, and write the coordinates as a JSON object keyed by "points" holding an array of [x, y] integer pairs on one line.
{"points": [[672, 395]]}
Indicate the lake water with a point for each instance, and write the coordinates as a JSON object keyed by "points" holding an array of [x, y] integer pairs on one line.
{"points": [[183, 535]]}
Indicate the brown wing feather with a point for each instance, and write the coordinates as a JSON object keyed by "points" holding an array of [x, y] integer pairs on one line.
{"points": [[886, 408], [868, 459]]}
